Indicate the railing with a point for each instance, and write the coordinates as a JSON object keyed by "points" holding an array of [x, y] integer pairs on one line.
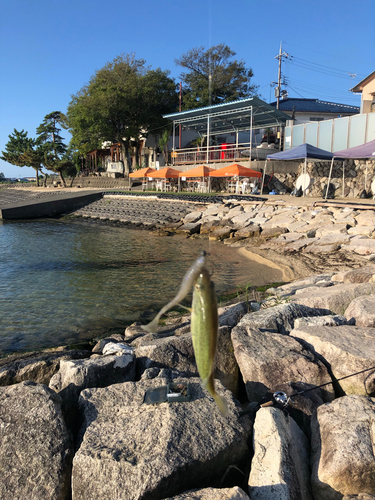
{"points": [[217, 154]]}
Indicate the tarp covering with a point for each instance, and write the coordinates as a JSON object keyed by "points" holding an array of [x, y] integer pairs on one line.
{"points": [[201, 171], [143, 172], [363, 151], [235, 170], [303, 151], [165, 173]]}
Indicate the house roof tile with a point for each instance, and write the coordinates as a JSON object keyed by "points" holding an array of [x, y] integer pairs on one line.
{"points": [[314, 106]]}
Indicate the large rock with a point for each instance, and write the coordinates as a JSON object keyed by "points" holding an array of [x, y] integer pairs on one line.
{"points": [[35, 448], [343, 443], [280, 466], [363, 275], [101, 371], [362, 309], [234, 493], [346, 350], [279, 319], [177, 353], [267, 359], [36, 366], [335, 320], [135, 451], [335, 298], [362, 246]]}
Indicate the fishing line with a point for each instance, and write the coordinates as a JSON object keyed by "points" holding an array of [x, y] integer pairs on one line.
{"points": [[282, 399]]}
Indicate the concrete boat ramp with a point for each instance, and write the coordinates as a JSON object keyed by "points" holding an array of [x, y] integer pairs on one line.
{"points": [[21, 204]]}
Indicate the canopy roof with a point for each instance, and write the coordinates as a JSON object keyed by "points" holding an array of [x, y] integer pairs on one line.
{"points": [[143, 172], [201, 171], [165, 173], [363, 151], [303, 151], [233, 170], [230, 116]]}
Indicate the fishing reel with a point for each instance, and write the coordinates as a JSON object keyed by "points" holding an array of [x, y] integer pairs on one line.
{"points": [[279, 400]]}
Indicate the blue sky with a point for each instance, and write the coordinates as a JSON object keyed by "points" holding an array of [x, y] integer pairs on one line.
{"points": [[49, 48]]}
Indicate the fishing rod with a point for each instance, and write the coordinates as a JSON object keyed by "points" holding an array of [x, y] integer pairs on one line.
{"points": [[283, 399]]}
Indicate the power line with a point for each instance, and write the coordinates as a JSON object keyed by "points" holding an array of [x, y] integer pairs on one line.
{"points": [[371, 63]]}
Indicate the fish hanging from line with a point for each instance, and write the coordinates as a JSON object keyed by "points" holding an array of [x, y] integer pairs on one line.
{"points": [[204, 330], [187, 282], [204, 323]]}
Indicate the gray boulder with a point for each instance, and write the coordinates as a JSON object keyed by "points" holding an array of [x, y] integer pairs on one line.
{"points": [[280, 466], [35, 448], [136, 451], [346, 350], [363, 275], [343, 446], [267, 359], [234, 493], [98, 348], [279, 319], [362, 309], [177, 353], [334, 298], [101, 371], [36, 366], [336, 320]]}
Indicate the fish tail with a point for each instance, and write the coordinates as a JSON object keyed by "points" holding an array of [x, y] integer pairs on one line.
{"points": [[221, 403]]}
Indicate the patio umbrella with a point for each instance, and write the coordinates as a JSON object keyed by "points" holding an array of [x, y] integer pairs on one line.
{"points": [[165, 173], [143, 172], [235, 170], [202, 171]]}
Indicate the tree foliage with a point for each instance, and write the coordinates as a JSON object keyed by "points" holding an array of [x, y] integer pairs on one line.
{"points": [[122, 102], [214, 77], [55, 152], [23, 151]]}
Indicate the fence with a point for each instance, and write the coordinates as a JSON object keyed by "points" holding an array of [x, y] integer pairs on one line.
{"points": [[333, 135]]}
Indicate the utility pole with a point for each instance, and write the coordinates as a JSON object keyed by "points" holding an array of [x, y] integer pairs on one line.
{"points": [[278, 88], [180, 109]]}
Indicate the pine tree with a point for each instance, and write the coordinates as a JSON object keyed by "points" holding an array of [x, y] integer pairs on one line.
{"points": [[55, 151], [23, 151]]}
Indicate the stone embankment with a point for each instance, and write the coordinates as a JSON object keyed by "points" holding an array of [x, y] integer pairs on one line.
{"points": [[76, 422]]}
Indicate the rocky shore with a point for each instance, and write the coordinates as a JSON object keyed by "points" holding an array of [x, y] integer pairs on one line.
{"points": [[75, 424]]}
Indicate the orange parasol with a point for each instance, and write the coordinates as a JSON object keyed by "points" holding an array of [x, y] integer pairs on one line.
{"points": [[233, 170], [201, 171], [165, 173], [143, 172]]}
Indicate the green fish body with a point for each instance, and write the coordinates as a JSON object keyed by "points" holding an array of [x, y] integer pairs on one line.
{"points": [[204, 329]]}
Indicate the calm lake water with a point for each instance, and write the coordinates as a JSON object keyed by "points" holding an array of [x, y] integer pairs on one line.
{"points": [[61, 282]]}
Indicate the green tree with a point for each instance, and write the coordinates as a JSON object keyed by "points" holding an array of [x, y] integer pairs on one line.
{"points": [[122, 103], [23, 151], [214, 77], [56, 156]]}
